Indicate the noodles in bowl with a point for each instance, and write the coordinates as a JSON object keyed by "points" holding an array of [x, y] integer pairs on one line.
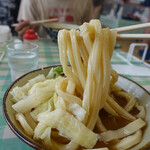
{"points": [[84, 109]]}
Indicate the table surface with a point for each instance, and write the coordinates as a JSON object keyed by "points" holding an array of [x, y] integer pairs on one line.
{"points": [[48, 55]]}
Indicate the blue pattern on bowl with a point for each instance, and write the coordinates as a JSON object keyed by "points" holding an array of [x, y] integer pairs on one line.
{"points": [[52, 33]]}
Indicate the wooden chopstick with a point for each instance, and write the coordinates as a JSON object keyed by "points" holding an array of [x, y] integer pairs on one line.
{"points": [[134, 36], [39, 21], [133, 27]]}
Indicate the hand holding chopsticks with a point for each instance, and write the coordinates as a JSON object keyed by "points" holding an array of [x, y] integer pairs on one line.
{"points": [[120, 29]]}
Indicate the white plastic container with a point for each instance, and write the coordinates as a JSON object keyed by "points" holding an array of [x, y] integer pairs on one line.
{"points": [[5, 33]]}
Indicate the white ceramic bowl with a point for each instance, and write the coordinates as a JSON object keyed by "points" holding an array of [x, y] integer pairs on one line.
{"points": [[53, 28], [126, 84]]}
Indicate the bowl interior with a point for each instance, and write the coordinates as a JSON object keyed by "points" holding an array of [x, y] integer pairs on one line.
{"points": [[143, 97], [126, 84]]}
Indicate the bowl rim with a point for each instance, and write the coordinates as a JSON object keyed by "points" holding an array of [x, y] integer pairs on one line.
{"points": [[60, 25], [32, 143], [10, 123]]}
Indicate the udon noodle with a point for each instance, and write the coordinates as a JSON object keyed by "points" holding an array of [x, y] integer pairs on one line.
{"points": [[87, 108]]}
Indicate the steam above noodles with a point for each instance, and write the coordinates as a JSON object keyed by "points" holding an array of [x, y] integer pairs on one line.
{"points": [[73, 111]]}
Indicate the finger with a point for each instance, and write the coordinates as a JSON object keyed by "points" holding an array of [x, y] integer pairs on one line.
{"points": [[21, 32], [22, 25], [21, 20]]}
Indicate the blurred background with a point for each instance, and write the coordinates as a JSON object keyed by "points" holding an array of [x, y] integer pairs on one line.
{"points": [[119, 13], [9, 12], [112, 14]]}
